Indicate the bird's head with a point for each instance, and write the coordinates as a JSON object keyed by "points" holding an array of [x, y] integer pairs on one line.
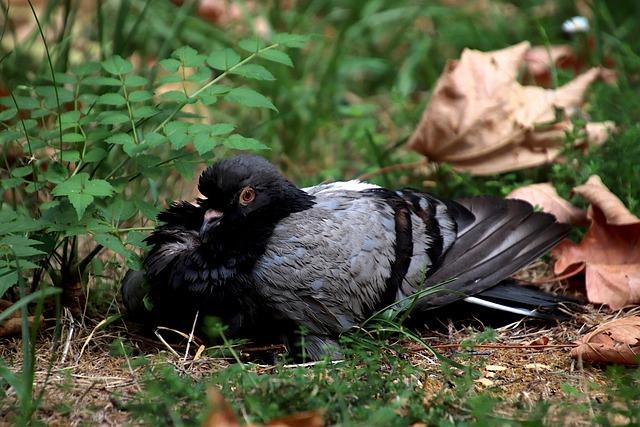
{"points": [[246, 192]]}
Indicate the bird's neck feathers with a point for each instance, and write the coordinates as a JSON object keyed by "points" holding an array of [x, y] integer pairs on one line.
{"points": [[244, 239]]}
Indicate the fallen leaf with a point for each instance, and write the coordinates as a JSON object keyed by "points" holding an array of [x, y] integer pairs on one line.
{"points": [[486, 382], [537, 366], [617, 341], [222, 415], [547, 198], [302, 419], [596, 193], [483, 121], [543, 340], [609, 253], [13, 324], [540, 60], [495, 368]]}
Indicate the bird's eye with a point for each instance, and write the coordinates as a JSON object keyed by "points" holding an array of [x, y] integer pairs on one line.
{"points": [[247, 195]]}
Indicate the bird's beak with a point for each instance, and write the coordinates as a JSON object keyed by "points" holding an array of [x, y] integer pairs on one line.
{"points": [[211, 220]]}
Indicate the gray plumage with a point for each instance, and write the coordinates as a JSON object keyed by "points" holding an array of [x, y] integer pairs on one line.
{"points": [[268, 258]]}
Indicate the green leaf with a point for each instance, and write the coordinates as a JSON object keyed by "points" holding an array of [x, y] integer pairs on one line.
{"points": [[8, 114], [95, 155], [200, 76], [70, 118], [170, 64], [20, 245], [177, 133], [154, 139], [221, 129], [223, 59], [133, 80], [99, 188], [204, 143], [7, 281], [117, 65], [290, 40], [188, 56], [174, 96], [114, 99], [101, 81], [112, 118], [80, 202], [72, 137], [252, 45], [80, 190], [239, 142], [171, 78], [84, 68], [70, 155], [144, 112], [249, 98], [253, 71], [278, 56], [22, 171], [210, 95], [120, 138], [111, 242], [140, 96]]}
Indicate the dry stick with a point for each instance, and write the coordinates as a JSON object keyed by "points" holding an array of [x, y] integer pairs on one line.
{"points": [[67, 343], [505, 346], [193, 327], [393, 168]]}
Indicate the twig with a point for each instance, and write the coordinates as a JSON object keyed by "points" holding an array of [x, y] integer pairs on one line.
{"points": [[500, 346], [193, 327], [393, 168]]}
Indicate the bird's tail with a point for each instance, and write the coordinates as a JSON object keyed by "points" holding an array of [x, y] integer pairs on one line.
{"points": [[502, 237]]}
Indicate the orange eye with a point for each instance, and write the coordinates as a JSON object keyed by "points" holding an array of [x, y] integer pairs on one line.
{"points": [[247, 195]]}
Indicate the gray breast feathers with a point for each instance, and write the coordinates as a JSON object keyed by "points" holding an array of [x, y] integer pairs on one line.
{"points": [[326, 267]]}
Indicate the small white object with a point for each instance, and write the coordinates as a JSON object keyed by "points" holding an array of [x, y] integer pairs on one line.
{"points": [[495, 306], [577, 24]]}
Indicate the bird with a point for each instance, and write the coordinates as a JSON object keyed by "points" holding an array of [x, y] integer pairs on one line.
{"points": [[274, 261]]}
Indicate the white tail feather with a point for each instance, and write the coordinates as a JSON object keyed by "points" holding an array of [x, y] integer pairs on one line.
{"points": [[496, 306]]}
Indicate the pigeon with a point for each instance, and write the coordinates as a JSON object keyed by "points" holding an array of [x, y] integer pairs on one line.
{"points": [[274, 261]]}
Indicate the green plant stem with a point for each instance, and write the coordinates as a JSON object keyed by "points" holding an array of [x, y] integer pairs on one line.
{"points": [[182, 104], [53, 76]]}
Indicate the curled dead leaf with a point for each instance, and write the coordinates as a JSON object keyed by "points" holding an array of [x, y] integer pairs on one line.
{"points": [[609, 253], [596, 193], [547, 198], [540, 59], [222, 415], [540, 341], [617, 341], [482, 120], [13, 324]]}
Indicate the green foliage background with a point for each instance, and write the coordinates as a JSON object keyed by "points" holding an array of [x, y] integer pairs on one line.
{"points": [[106, 117]]}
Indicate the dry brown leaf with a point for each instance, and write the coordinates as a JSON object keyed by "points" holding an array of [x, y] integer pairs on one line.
{"points": [[609, 253], [482, 120], [547, 198], [617, 341], [596, 193], [302, 419], [539, 61], [222, 415], [543, 340], [13, 326]]}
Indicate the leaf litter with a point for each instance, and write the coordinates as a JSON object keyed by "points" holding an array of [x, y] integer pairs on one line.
{"points": [[483, 121]]}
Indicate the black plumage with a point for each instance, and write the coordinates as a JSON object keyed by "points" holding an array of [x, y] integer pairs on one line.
{"points": [[269, 259]]}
